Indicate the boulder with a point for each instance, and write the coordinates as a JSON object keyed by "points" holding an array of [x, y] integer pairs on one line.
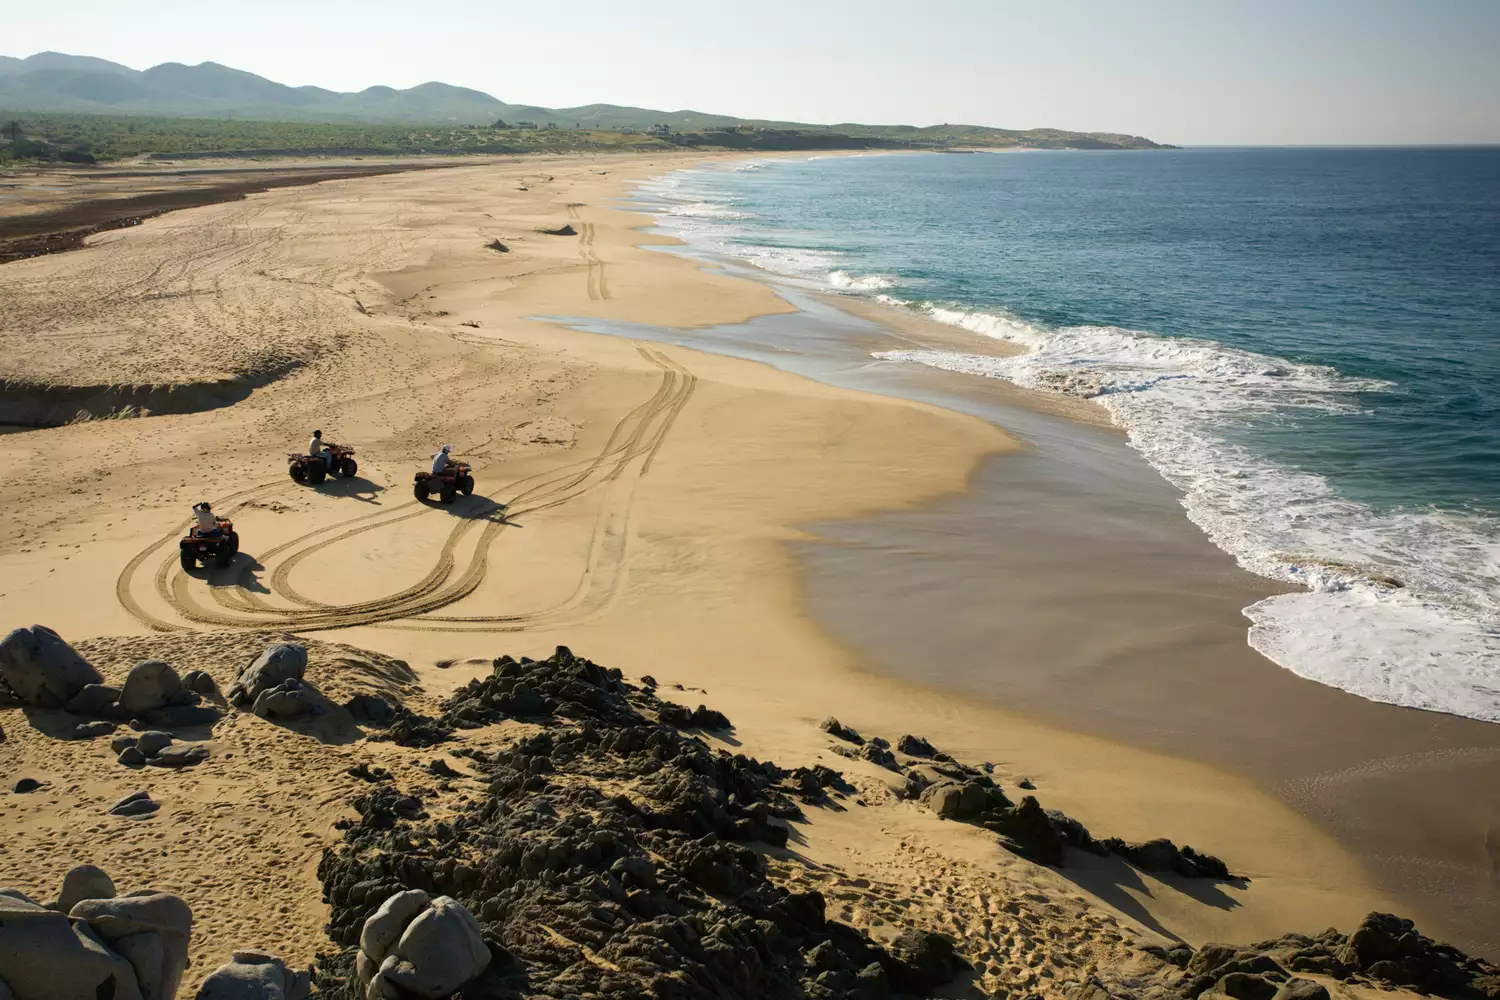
{"points": [[280, 662], [180, 716], [1245, 986], [153, 742], [289, 699], [1301, 989], [134, 804], [150, 685], [915, 746], [91, 730], [147, 956], [201, 682], [370, 708], [161, 915], [83, 882], [439, 952], [121, 743], [834, 727], [131, 756], [26, 785], [254, 975], [42, 669], [180, 755], [385, 926], [1028, 831], [952, 800], [93, 699], [46, 956]]}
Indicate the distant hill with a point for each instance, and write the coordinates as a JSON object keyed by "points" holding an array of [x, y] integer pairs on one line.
{"points": [[56, 82]]}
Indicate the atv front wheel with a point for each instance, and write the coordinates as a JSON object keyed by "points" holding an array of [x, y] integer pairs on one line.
{"points": [[234, 544], [466, 485], [223, 555], [348, 468], [189, 561]]}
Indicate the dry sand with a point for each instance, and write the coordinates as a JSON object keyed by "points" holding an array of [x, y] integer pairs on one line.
{"points": [[651, 490]]}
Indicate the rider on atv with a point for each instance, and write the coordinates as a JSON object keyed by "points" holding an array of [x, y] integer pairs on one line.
{"points": [[316, 449], [441, 461], [208, 525]]}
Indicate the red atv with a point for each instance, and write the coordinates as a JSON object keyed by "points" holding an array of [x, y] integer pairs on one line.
{"points": [[313, 470], [448, 485], [221, 548]]}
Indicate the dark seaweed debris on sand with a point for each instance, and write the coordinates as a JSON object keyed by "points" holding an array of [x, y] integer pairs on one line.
{"points": [[610, 858]]}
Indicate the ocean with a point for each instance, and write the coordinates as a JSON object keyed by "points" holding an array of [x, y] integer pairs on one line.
{"points": [[1305, 342]]}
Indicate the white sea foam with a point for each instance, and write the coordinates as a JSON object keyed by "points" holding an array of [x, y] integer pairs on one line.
{"points": [[1402, 607], [844, 281]]}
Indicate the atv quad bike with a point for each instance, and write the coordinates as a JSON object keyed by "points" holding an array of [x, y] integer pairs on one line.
{"points": [[448, 485], [221, 548], [312, 470]]}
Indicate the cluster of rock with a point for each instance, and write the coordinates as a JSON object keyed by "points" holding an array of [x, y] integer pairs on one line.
{"points": [[1383, 951], [959, 792], [40, 670], [417, 946], [608, 859], [157, 748], [92, 943]]}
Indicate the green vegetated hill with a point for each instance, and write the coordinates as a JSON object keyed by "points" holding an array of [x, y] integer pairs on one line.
{"points": [[54, 82]]}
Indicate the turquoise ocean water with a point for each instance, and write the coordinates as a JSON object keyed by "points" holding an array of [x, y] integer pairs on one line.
{"points": [[1305, 341]]}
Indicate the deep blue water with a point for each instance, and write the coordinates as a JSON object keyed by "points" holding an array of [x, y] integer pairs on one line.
{"points": [[1306, 341]]}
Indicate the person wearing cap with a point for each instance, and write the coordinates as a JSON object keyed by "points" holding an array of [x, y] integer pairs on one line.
{"points": [[441, 461], [207, 525]]}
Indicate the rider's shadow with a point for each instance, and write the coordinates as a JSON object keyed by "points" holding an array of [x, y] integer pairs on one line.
{"points": [[241, 573], [356, 488]]}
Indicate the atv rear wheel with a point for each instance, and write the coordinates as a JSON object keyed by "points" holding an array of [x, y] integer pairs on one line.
{"points": [[419, 491], [317, 473], [466, 485], [448, 495], [295, 471], [189, 561], [348, 467]]}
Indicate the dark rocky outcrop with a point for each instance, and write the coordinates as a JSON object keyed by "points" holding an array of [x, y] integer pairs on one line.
{"points": [[609, 859]]}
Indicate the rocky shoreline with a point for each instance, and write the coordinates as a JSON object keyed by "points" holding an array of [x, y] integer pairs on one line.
{"points": [[582, 836]]}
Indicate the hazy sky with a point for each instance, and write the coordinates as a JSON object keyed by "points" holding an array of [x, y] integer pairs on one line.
{"points": [[1180, 71]]}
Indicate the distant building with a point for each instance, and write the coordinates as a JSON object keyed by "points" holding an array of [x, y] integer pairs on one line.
{"points": [[551, 126], [659, 130], [526, 126], [500, 123], [625, 130]]}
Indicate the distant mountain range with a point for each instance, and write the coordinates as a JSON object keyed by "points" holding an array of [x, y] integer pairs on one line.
{"points": [[54, 82]]}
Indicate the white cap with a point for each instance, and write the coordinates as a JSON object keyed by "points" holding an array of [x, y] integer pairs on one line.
{"points": [[447, 447]]}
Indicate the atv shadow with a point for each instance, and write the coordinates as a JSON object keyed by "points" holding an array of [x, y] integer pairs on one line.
{"points": [[240, 573], [471, 508], [356, 488]]}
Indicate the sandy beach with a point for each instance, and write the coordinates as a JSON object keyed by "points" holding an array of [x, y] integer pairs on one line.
{"points": [[659, 510]]}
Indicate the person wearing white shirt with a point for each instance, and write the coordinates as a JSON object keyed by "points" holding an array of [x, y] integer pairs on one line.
{"points": [[316, 449], [207, 525], [441, 461]]}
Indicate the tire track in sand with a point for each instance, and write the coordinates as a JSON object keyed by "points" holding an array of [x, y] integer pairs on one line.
{"points": [[627, 455]]}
